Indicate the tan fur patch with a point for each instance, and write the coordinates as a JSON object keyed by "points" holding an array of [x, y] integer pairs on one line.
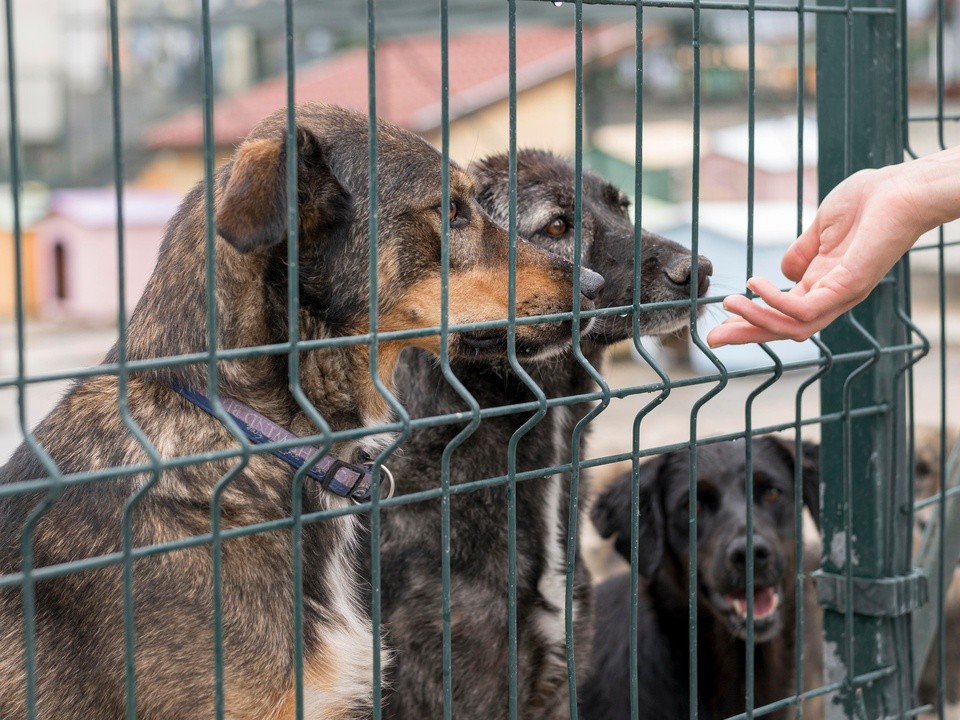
{"points": [[319, 683], [478, 295]]}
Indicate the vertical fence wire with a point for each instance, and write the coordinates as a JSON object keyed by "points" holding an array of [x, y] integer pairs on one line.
{"points": [[447, 370], [693, 532], [692, 578], [525, 378], [749, 648], [54, 485], [942, 357], [54, 481], [293, 331], [210, 277], [798, 551], [512, 700], [374, 354], [647, 357], [848, 639], [942, 565], [123, 376], [573, 514]]}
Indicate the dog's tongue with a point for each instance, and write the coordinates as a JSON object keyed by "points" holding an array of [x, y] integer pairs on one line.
{"points": [[765, 602]]}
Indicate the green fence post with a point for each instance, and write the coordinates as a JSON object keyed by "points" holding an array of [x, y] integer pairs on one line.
{"points": [[866, 586]]}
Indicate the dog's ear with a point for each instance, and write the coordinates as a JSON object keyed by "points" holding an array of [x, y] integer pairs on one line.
{"points": [[811, 479], [809, 469], [611, 515], [252, 208]]}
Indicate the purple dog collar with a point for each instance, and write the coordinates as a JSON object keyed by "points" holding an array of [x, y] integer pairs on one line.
{"points": [[340, 478]]}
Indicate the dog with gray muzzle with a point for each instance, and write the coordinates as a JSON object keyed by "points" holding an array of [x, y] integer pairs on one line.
{"points": [[411, 550], [78, 660], [722, 607]]}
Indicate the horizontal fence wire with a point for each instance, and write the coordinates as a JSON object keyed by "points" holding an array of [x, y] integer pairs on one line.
{"points": [[888, 357]]}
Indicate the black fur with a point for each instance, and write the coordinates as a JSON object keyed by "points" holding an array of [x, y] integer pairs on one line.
{"points": [[411, 552], [662, 622]]}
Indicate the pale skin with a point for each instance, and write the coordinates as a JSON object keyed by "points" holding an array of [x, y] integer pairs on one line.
{"points": [[861, 230]]}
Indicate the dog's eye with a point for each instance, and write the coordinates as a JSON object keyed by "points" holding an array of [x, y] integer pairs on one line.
{"points": [[770, 494], [686, 506], [457, 216], [625, 209], [557, 227]]}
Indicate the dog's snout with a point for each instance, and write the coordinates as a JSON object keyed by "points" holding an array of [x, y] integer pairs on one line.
{"points": [[591, 283], [737, 553], [704, 271], [680, 269]]}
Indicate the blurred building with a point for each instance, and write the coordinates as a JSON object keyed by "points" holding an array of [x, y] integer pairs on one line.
{"points": [[725, 166], [76, 257], [408, 76]]}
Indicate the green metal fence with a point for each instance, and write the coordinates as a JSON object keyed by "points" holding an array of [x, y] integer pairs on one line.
{"points": [[877, 618]]}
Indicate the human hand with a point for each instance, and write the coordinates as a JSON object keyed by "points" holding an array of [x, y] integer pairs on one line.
{"points": [[861, 230]]}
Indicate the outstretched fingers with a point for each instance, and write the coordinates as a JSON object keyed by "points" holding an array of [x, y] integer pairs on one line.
{"points": [[776, 323], [737, 331], [794, 315]]}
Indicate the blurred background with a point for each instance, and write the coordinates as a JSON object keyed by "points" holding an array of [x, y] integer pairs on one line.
{"points": [[68, 271]]}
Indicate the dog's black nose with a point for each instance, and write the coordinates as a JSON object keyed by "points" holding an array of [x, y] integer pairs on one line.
{"points": [[737, 553], [591, 283], [678, 272]]}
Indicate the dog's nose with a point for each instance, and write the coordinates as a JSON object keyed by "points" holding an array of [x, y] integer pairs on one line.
{"points": [[737, 553], [591, 283], [678, 272]]}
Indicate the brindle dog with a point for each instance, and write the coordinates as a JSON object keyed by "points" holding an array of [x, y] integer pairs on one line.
{"points": [[662, 616], [80, 661], [411, 533]]}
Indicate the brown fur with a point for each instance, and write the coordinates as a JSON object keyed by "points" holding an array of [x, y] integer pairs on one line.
{"points": [[80, 660], [927, 484]]}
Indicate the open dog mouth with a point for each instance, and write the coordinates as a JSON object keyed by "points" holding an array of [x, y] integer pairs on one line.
{"points": [[766, 600], [766, 617]]}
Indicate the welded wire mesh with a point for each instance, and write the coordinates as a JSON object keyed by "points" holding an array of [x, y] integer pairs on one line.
{"points": [[864, 367]]}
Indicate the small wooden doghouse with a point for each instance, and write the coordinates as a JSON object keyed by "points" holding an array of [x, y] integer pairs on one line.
{"points": [[77, 254], [34, 201]]}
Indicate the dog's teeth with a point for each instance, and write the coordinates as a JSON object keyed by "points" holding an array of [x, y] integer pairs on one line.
{"points": [[739, 606], [624, 315]]}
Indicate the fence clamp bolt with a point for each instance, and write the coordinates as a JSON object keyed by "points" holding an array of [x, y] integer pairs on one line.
{"points": [[876, 597]]}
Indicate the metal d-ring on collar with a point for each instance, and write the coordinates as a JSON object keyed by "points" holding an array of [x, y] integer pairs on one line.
{"points": [[354, 481]]}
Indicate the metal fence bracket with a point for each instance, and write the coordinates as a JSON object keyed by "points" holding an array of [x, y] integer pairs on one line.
{"points": [[875, 597]]}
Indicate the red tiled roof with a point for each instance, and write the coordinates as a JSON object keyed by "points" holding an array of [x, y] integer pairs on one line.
{"points": [[408, 80]]}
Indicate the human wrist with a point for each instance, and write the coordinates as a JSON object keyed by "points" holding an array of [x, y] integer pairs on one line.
{"points": [[931, 187]]}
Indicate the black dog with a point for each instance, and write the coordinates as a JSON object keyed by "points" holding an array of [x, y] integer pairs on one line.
{"points": [[411, 533], [662, 622]]}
